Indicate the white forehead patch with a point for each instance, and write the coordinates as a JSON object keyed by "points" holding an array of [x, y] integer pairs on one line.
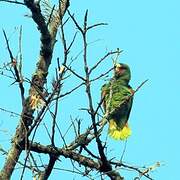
{"points": [[118, 65]]}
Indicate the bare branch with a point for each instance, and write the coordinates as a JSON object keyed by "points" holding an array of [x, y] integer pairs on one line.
{"points": [[103, 58], [137, 89], [72, 90], [95, 25], [119, 164], [73, 72], [102, 75], [39, 79], [36, 147], [75, 22], [72, 42], [13, 2], [83, 160], [51, 14], [45, 175], [14, 64], [105, 166]]}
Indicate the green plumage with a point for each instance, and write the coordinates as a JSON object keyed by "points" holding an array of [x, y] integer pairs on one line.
{"points": [[118, 98]]}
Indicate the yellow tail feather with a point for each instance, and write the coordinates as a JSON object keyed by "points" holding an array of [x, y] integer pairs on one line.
{"points": [[118, 134]]}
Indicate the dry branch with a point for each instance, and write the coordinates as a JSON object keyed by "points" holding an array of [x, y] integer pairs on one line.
{"points": [[38, 79]]}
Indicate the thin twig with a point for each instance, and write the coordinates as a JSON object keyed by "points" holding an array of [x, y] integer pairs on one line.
{"points": [[51, 15], [124, 150], [75, 22], [102, 75], [120, 164], [72, 90], [20, 55], [137, 89], [102, 59], [14, 64], [73, 72], [47, 130], [95, 25], [72, 42], [13, 2]]}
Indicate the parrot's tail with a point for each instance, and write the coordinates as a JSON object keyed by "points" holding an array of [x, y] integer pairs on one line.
{"points": [[116, 133]]}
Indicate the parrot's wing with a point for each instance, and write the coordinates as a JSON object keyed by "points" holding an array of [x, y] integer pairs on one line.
{"points": [[130, 101], [121, 104], [127, 98], [104, 93]]}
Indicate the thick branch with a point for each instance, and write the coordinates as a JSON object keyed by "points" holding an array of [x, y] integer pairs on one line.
{"points": [[88, 162], [11, 160], [45, 174], [83, 160], [38, 81]]}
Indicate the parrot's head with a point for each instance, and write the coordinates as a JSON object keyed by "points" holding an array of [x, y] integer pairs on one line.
{"points": [[122, 71]]}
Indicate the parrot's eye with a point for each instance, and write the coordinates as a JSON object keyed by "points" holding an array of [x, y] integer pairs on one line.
{"points": [[120, 70]]}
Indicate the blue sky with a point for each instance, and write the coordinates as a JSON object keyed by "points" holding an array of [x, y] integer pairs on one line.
{"points": [[149, 33]]}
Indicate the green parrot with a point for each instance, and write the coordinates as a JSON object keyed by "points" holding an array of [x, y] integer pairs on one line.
{"points": [[118, 98]]}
